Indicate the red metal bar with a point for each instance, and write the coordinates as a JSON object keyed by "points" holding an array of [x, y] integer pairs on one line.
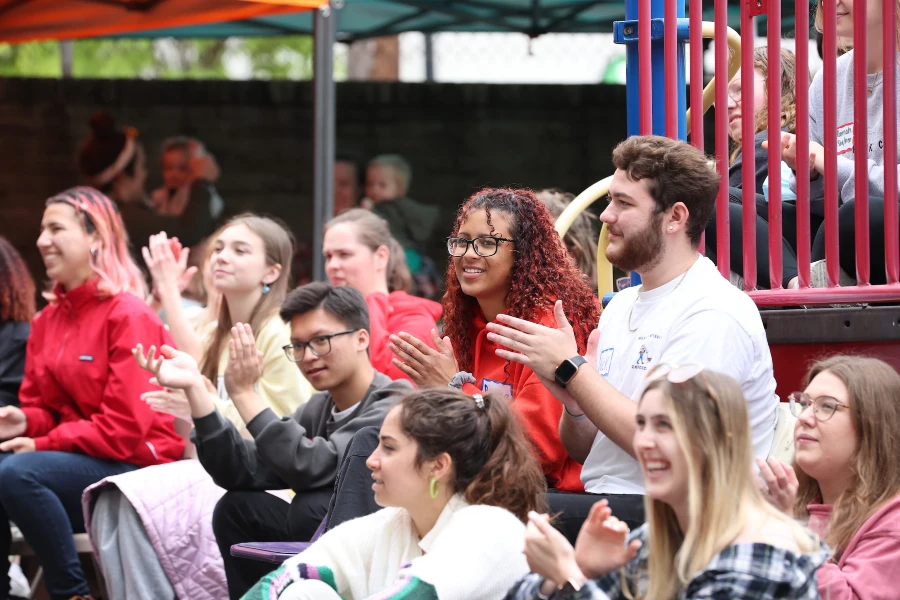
{"points": [[774, 105], [644, 65], [695, 20], [748, 148], [723, 252], [670, 60], [889, 87], [827, 295], [829, 121], [860, 142], [802, 92]]}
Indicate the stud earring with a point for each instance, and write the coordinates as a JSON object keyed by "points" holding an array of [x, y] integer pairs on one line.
{"points": [[670, 228], [266, 288]]}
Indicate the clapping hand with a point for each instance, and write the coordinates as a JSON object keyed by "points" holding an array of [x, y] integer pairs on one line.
{"points": [[171, 369], [602, 546], [426, 366], [245, 362]]}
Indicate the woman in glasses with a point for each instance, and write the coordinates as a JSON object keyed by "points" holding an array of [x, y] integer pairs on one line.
{"points": [[845, 477], [506, 258], [141, 546], [709, 531], [360, 252]]}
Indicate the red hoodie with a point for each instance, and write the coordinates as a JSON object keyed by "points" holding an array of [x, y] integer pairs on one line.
{"points": [[82, 387], [389, 314], [538, 409], [867, 568]]}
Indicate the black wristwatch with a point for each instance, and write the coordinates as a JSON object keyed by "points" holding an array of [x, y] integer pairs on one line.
{"points": [[567, 369]]}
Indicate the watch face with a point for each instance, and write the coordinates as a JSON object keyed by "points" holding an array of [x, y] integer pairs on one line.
{"points": [[565, 372]]}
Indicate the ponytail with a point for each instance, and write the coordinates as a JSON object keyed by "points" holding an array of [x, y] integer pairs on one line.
{"points": [[493, 461], [399, 279]]}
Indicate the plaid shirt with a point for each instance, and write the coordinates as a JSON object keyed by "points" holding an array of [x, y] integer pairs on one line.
{"points": [[741, 571]]}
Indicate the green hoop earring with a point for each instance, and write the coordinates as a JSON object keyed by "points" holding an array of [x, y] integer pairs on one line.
{"points": [[433, 488]]}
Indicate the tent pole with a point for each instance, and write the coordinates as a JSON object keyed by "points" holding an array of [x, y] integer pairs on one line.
{"points": [[324, 35]]}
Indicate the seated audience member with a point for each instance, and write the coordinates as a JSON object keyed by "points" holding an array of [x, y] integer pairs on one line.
{"points": [[661, 196], [358, 253], [82, 418], [349, 182], [112, 159], [846, 149], [788, 111], [709, 531], [329, 341], [845, 479], [145, 551], [506, 259], [581, 239], [412, 223], [189, 174], [16, 311], [457, 478]]}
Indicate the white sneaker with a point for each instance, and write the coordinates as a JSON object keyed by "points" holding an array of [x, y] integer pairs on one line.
{"points": [[818, 276], [18, 583]]}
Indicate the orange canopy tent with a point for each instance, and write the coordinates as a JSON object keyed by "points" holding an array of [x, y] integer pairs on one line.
{"points": [[29, 20]]}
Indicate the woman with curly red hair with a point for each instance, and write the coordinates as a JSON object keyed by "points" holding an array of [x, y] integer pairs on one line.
{"points": [[506, 259], [16, 311]]}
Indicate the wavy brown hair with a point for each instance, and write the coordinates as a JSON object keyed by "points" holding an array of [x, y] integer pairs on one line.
{"points": [[17, 291], [279, 247], [541, 274], [493, 462], [874, 390]]}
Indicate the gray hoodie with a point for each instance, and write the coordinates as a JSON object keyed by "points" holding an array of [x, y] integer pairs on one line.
{"points": [[301, 452]]}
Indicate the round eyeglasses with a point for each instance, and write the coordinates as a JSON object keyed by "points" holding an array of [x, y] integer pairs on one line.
{"points": [[824, 407], [319, 346], [484, 245]]}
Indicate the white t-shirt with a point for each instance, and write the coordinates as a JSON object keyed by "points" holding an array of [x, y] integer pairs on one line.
{"points": [[703, 320]]}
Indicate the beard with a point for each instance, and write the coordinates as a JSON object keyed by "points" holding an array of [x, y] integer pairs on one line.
{"points": [[640, 250]]}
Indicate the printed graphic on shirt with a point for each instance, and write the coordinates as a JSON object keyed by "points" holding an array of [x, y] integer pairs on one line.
{"points": [[645, 355], [845, 138], [497, 387], [605, 361]]}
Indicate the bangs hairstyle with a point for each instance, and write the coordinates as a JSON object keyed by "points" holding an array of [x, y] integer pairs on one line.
{"points": [[493, 462], [346, 304], [17, 291], [713, 431], [542, 272], [113, 263], [874, 399], [278, 245]]}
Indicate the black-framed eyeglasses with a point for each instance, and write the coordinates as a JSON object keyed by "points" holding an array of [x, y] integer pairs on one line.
{"points": [[319, 346], [824, 407], [484, 245]]}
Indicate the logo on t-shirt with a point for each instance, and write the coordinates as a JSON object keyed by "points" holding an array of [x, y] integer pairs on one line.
{"points": [[845, 138], [605, 361], [497, 387], [643, 359]]}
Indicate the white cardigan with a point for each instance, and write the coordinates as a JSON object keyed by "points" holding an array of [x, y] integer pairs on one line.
{"points": [[471, 553]]}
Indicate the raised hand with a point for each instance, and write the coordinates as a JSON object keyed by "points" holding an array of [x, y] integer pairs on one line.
{"points": [[426, 366], [171, 369], [13, 422], [244, 362], [166, 260], [778, 483], [548, 552], [601, 545]]}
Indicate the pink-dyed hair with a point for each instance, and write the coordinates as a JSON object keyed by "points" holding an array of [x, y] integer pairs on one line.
{"points": [[113, 263]]}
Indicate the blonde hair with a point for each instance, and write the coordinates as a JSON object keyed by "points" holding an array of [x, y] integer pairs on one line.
{"points": [[398, 164], [874, 398], [713, 430], [112, 262], [279, 248]]}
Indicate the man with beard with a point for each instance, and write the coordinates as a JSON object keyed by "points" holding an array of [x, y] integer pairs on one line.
{"points": [[684, 316]]}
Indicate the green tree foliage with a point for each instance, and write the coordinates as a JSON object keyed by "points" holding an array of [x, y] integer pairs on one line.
{"points": [[258, 58]]}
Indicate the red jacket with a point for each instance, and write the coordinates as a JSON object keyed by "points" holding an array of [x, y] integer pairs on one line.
{"points": [[539, 411], [82, 387], [389, 314]]}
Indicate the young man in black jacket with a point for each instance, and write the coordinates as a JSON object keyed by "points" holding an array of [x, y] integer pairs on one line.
{"points": [[330, 344]]}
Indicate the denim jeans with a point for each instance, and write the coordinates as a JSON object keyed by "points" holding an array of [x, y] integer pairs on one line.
{"points": [[41, 493]]}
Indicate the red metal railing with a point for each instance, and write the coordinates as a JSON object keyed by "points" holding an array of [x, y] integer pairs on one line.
{"points": [[863, 291]]}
